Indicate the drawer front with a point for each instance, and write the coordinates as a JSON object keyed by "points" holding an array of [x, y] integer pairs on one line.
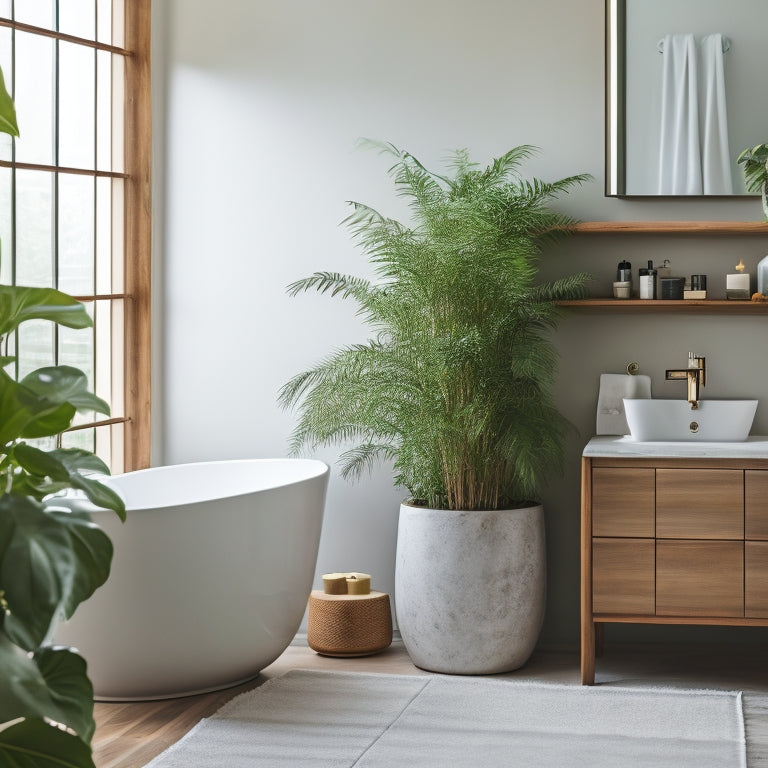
{"points": [[756, 579], [699, 578], [700, 504], [623, 502], [623, 576], [756, 504]]}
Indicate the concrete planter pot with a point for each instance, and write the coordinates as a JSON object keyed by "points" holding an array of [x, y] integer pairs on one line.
{"points": [[470, 587]]}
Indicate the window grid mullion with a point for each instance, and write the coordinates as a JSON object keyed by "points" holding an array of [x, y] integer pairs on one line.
{"points": [[94, 220], [13, 196], [56, 160]]}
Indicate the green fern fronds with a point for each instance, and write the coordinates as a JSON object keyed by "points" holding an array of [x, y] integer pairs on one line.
{"points": [[454, 387]]}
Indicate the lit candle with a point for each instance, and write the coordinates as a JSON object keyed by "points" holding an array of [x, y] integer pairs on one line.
{"points": [[737, 284]]}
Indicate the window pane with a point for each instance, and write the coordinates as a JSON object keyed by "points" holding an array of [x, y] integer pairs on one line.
{"points": [[117, 350], [118, 115], [103, 111], [103, 353], [5, 9], [77, 98], [78, 17], [109, 446], [36, 346], [118, 18], [76, 241], [40, 13], [118, 239], [104, 21], [85, 439], [34, 228], [34, 98], [76, 349], [6, 227]]}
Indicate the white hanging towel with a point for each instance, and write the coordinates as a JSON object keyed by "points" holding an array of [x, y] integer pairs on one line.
{"points": [[614, 387], [680, 153], [715, 153]]}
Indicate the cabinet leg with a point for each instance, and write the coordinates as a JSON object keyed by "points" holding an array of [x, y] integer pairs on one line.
{"points": [[587, 651], [599, 638]]}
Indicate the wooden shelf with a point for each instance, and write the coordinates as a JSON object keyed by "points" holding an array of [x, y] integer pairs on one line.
{"points": [[691, 306], [673, 227]]}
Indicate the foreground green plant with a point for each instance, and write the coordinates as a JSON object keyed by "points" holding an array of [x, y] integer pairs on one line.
{"points": [[51, 559], [454, 387], [755, 161]]}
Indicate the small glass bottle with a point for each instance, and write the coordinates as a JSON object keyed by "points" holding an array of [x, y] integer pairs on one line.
{"points": [[647, 282]]}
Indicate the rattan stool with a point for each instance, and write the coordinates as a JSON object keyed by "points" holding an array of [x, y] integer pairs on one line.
{"points": [[349, 625]]}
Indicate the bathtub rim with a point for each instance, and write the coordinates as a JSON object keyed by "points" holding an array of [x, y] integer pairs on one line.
{"points": [[320, 469]]}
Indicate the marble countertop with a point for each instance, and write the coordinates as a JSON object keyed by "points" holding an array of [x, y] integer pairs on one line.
{"points": [[754, 447]]}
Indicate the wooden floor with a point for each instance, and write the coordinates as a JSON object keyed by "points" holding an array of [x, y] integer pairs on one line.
{"points": [[129, 735]]}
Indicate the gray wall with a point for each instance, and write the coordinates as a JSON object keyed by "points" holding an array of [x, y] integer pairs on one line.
{"points": [[258, 107]]}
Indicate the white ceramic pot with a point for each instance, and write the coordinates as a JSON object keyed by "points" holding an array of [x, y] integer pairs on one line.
{"points": [[470, 587]]}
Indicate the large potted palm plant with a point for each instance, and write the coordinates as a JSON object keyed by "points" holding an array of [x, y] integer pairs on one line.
{"points": [[454, 388]]}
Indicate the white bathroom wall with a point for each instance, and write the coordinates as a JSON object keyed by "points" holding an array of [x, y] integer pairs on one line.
{"points": [[259, 106]]}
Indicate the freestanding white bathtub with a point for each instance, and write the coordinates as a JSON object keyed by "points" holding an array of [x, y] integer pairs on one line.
{"points": [[210, 577]]}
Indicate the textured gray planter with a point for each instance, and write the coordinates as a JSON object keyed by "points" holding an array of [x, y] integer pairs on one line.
{"points": [[470, 587]]}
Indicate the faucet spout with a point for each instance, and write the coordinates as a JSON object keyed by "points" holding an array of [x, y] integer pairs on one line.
{"points": [[695, 375]]}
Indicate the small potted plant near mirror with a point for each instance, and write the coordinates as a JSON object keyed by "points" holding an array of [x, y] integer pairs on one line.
{"points": [[755, 162], [51, 559], [454, 389]]}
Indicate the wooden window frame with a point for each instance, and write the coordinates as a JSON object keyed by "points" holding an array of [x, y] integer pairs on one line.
{"points": [[138, 234], [137, 227]]}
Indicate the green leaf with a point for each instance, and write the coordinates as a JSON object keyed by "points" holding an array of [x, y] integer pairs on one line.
{"points": [[18, 407], [77, 460], [38, 462], [52, 560], [20, 303], [53, 683], [35, 744], [64, 384], [101, 495], [64, 467], [8, 122], [92, 550]]}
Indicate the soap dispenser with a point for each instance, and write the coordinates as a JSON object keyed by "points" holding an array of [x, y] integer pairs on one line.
{"points": [[647, 282]]}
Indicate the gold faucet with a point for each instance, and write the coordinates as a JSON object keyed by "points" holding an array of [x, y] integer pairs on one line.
{"points": [[695, 374]]}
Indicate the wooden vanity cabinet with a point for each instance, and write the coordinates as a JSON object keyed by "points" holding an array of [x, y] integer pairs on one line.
{"points": [[672, 541]]}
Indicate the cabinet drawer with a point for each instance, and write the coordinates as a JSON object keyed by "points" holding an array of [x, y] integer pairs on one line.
{"points": [[699, 578], [756, 579], [623, 576], [700, 504], [756, 504], [623, 501]]}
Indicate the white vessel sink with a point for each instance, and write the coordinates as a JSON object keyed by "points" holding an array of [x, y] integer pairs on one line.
{"points": [[671, 420]]}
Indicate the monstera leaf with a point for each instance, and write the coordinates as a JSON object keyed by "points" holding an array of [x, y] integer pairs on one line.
{"points": [[19, 303], [50, 561], [36, 744], [51, 683], [48, 472]]}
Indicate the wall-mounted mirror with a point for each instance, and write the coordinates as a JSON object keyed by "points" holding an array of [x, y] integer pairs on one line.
{"points": [[685, 94]]}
